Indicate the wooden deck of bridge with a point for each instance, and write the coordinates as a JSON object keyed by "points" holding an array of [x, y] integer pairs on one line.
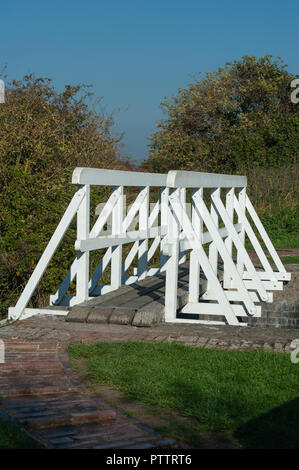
{"points": [[139, 304]]}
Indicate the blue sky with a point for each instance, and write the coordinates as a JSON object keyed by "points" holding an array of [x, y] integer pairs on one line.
{"points": [[135, 53]]}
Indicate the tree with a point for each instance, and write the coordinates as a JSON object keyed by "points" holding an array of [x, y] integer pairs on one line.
{"points": [[232, 119], [44, 135], [47, 133]]}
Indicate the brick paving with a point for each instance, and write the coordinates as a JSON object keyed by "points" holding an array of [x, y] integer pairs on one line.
{"points": [[39, 389]]}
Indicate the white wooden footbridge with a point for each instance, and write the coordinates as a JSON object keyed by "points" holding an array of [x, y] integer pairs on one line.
{"points": [[197, 224]]}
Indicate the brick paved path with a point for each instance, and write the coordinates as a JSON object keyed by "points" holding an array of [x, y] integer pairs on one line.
{"points": [[39, 389], [221, 337]]}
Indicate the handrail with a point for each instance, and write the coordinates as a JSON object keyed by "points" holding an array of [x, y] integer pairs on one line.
{"points": [[196, 179], [97, 176]]}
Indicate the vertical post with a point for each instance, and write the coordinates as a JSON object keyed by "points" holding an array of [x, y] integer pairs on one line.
{"points": [[194, 269], [213, 252], [229, 202], [171, 282], [116, 258], [182, 254], [164, 216], [83, 215], [143, 244], [242, 201]]}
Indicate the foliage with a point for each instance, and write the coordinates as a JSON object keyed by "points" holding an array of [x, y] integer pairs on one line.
{"points": [[233, 118], [44, 135], [241, 120], [275, 194]]}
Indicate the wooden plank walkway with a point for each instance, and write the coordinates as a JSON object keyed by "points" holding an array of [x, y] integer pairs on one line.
{"points": [[139, 304]]}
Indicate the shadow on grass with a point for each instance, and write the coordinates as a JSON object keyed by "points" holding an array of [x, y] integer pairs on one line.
{"points": [[277, 429], [247, 398]]}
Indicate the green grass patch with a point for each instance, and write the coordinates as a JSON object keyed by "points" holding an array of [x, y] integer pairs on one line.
{"points": [[282, 226], [252, 394], [11, 437], [286, 240], [290, 260]]}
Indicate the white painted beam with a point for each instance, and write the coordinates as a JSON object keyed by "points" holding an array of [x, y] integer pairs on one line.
{"points": [[121, 239], [194, 179], [101, 177], [202, 308]]}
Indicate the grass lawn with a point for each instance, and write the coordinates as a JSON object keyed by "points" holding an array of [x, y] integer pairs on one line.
{"points": [[290, 260], [11, 437], [286, 241], [281, 239], [252, 395]]}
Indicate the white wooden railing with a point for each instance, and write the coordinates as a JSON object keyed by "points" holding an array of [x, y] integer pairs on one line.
{"points": [[242, 283], [175, 228]]}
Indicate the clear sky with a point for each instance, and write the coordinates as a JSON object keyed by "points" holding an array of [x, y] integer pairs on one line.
{"points": [[135, 53]]}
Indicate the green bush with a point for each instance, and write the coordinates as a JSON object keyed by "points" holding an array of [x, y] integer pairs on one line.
{"points": [[239, 120], [44, 135], [229, 120], [282, 226]]}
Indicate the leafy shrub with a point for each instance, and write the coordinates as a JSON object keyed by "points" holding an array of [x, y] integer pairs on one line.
{"points": [[44, 135], [274, 192], [229, 120], [241, 120]]}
